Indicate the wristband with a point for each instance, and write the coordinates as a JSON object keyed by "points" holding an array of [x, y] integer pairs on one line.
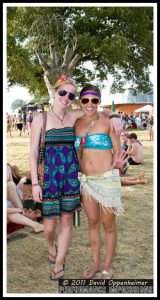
{"points": [[35, 184], [114, 116]]}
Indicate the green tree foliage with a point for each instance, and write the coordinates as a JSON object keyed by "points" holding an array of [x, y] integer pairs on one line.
{"points": [[117, 40], [17, 104]]}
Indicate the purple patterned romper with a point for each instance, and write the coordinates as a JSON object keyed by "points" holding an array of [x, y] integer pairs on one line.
{"points": [[61, 187]]}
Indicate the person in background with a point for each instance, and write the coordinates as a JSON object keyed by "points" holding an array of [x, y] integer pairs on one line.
{"points": [[15, 208], [150, 127], [135, 150], [29, 121], [19, 122], [9, 126], [18, 179], [138, 122], [134, 180], [24, 117]]}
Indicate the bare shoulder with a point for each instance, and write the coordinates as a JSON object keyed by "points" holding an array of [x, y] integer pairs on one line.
{"points": [[38, 120], [106, 113], [78, 122], [104, 118], [76, 113], [38, 117]]}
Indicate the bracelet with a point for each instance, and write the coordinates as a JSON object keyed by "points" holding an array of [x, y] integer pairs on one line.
{"points": [[114, 116], [35, 184]]}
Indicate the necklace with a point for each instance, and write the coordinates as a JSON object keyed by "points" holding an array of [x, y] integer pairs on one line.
{"points": [[61, 119], [83, 139]]}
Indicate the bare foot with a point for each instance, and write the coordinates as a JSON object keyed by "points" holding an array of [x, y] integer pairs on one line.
{"points": [[38, 228], [89, 273], [145, 181], [141, 175]]}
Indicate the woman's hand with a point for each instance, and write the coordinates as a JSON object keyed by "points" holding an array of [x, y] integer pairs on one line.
{"points": [[37, 193], [119, 160], [117, 125]]}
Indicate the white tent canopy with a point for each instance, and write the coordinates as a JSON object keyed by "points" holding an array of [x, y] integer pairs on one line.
{"points": [[146, 108]]}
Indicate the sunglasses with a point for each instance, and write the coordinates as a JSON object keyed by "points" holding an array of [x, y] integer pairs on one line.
{"points": [[62, 93], [94, 101]]}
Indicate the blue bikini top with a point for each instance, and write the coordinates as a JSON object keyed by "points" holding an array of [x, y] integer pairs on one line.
{"points": [[99, 141]]}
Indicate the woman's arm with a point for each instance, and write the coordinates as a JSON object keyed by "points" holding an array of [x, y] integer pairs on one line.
{"points": [[9, 174], [36, 128], [116, 143], [13, 210], [115, 121]]}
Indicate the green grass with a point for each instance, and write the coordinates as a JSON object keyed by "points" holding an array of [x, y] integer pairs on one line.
{"points": [[27, 267]]}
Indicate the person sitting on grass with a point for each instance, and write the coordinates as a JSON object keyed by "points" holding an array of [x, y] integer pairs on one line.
{"points": [[135, 150], [18, 179], [15, 208]]}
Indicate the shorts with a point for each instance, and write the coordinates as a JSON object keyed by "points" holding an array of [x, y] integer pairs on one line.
{"points": [[105, 189], [19, 126], [132, 162]]}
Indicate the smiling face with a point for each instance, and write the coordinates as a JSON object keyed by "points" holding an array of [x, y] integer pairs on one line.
{"points": [[90, 102], [64, 95]]}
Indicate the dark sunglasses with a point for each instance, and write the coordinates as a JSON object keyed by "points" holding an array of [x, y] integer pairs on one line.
{"points": [[62, 93], [93, 100]]}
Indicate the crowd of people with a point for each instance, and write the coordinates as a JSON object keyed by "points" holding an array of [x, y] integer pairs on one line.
{"points": [[77, 142], [143, 120], [20, 122]]}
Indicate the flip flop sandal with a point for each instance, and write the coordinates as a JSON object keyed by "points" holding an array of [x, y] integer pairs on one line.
{"points": [[89, 271], [55, 273], [54, 256], [16, 236], [107, 274]]}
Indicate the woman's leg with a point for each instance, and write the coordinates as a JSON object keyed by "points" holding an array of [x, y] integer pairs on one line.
{"points": [[92, 210], [20, 219], [64, 239], [109, 224], [151, 135], [49, 232], [127, 181], [140, 176]]}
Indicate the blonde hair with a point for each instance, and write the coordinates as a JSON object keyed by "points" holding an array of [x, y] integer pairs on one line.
{"points": [[64, 80]]}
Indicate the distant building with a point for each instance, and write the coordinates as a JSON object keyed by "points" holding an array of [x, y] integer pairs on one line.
{"points": [[130, 102], [129, 97]]}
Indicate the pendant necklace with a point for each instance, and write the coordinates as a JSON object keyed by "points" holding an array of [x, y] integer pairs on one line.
{"points": [[61, 119], [83, 139]]}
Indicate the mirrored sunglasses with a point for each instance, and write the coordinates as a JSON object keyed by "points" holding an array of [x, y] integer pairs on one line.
{"points": [[94, 101], [62, 93]]}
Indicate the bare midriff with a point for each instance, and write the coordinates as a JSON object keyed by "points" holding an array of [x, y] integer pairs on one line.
{"points": [[96, 162]]}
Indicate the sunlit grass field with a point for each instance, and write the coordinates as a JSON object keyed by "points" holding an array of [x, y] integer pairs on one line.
{"points": [[27, 266]]}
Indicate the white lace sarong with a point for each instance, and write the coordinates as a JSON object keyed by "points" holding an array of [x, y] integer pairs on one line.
{"points": [[105, 189]]}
